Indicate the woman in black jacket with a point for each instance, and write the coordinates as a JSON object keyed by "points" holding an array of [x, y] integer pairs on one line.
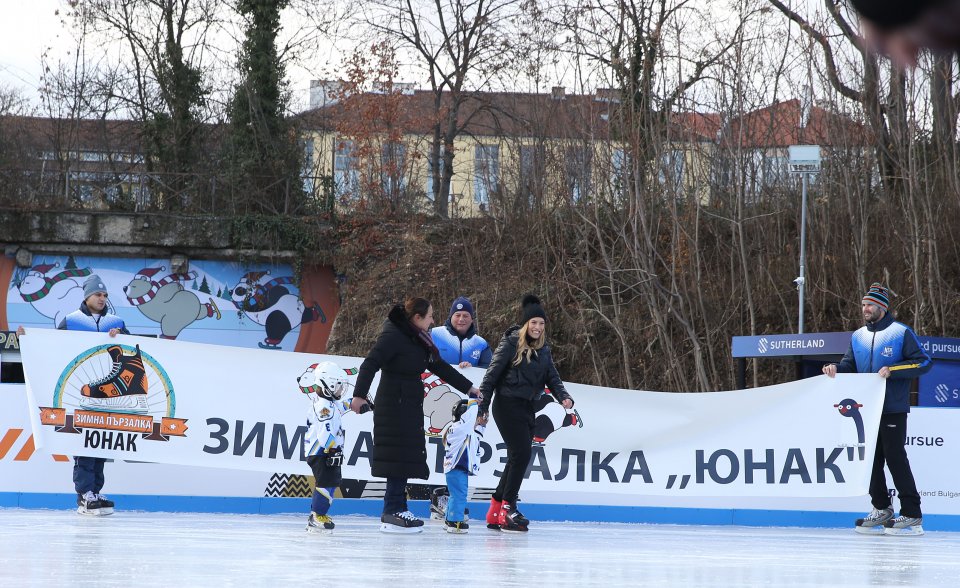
{"points": [[401, 354], [521, 367]]}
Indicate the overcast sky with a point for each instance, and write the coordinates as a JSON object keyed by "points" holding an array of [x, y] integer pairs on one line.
{"points": [[26, 29], [30, 27]]}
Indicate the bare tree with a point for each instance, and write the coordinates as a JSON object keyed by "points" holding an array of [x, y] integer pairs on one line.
{"points": [[162, 76], [458, 43]]}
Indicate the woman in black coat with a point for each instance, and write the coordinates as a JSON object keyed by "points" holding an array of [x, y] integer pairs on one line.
{"points": [[401, 354], [521, 367]]}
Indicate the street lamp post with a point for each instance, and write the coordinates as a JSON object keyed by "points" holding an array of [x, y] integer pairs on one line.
{"points": [[804, 160]]}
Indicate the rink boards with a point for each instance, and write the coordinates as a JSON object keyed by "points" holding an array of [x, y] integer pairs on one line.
{"points": [[31, 479]]}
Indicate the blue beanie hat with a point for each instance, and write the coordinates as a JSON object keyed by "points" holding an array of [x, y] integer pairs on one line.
{"points": [[877, 295], [92, 285], [462, 304]]}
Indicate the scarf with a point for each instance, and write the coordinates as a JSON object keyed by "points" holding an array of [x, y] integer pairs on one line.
{"points": [[424, 338]]}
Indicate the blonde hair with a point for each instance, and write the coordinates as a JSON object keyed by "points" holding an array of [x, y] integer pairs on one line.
{"points": [[524, 348]]}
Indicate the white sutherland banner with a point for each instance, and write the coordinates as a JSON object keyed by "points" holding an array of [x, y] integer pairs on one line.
{"points": [[192, 404]]}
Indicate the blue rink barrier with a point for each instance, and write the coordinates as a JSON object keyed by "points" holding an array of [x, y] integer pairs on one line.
{"points": [[654, 515]]}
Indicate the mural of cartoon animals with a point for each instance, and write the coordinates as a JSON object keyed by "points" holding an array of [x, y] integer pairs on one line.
{"points": [[165, 301], [56, 296], [269, 302], [438, 403], [551, 415]]}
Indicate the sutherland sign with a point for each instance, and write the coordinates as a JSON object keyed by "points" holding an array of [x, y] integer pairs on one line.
{"points": [[827, 344], [789, 345]]}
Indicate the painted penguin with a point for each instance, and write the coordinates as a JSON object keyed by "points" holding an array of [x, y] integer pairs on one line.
{"points": [[851, 408], [269, 302]]}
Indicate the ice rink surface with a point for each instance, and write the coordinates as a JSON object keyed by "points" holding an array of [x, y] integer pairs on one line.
{"points": [[61, 548]]}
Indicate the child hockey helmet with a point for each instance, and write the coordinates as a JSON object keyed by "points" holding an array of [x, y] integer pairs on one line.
{"points": [[460, 408], [325, 379]]}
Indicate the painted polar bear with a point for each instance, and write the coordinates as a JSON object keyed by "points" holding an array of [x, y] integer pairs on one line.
{"points": [[56, 296], [166, 302]]}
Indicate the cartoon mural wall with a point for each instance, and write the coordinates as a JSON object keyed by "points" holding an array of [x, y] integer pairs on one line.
{"points": [[215, 302]]}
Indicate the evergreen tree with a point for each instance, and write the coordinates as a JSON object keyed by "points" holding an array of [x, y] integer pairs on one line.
{"points": [[71, 263], [263, 153], [204, 286]]}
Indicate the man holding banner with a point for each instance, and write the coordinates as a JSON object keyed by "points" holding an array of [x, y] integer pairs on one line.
{"points": [[890, 349], [93, 315]]}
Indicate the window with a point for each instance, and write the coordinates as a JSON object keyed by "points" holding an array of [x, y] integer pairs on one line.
{"points": [[531, 170], [346, 175], [486, 173], [578, 164], [672, 165], [619, 172], [392, 159], [774, 170], [428, 185], [306, 173]]}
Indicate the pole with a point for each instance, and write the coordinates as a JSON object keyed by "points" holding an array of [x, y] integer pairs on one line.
{"points": [[803, 245]]}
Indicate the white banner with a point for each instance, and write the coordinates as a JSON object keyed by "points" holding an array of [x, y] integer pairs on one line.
{"points": [[225, 407]]}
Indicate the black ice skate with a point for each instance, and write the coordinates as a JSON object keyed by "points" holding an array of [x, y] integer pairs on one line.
{"points": [[106, 505], [438, 503], [124, 389], [511, 520], [89, 504], [401, 522], [457, 527]]}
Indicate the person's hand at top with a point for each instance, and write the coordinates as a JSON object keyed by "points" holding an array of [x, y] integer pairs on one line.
{"points": [[901, 30]]}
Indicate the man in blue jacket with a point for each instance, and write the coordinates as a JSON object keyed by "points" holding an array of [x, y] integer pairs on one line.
{"points": [[890, 349], [93, 315], [457, 339]]}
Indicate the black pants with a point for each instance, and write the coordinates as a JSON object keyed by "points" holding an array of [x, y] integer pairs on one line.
{"points": [[890, 449], [514, 418]]}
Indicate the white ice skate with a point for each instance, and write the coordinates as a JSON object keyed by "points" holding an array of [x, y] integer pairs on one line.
{"points": [[872, 524], [903, 526], [125, 404]]}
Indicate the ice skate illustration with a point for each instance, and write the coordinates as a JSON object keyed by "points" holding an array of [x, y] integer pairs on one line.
{"points": [[124, 389]]}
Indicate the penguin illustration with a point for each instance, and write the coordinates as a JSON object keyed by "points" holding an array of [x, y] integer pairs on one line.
{"points": [[851, 408], [551, 416], [269, 302]]}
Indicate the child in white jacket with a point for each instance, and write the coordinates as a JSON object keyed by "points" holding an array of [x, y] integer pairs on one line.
{"points": [[324, 384], [461, 459]]}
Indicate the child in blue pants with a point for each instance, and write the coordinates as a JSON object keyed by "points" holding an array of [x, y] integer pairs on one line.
{"points": [[461, 459]]}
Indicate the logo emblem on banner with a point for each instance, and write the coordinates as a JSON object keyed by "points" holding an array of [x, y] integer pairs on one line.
{"points": [[851, 408], [942, 391], [762, 345], [115, 389]]}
